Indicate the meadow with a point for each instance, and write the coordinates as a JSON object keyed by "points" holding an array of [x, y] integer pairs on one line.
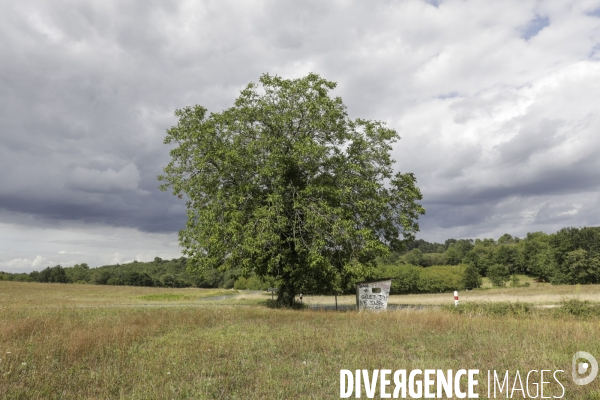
{"points": [[101, 342]]}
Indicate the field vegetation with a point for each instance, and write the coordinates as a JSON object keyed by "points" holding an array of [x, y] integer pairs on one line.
{"points": [[106, 342]]}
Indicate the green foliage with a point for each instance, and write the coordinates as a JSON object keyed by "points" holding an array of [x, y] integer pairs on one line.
{"points": [[498, 274], [452, 256], [229, 277], [209, 279], [507, 255], [286, 185], [425, 247], [576, 255], [414, 257], [515, 281], [170, 280], [412, 279], [479, 257], [100, 277], [241, 284], [79, 272], [579, 266], [254, 282], [134, 278], [114, 280], [578, 308], [430, 259], [439, 279], [463, 246], [507, 239], [54, 274], [405, 278], [471, 278]]}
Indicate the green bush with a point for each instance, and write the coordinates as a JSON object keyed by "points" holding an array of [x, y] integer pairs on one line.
{"points": [[405, 278], [498, 274], [414, 257], [515, 281], [253, 283], [430, 259], [408, 279], [114, 281], [471, 278], [440, 279], [578, 308], [241, 283]]}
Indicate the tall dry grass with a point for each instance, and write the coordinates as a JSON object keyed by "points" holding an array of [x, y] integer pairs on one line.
{"points": [[212, 351]]}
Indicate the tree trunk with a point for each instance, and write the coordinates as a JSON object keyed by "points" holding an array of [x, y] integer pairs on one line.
{"points": [[286, 294]]}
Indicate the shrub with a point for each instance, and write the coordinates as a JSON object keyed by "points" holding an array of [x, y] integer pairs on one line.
{"points": [[578, 308], [100, 278], [471, 278], [170, 280], [114, 281], [430, 259], [414, 257], [408, 279], [498, 274], [134, 278], [241, 283], [405, 278], [515, 281], [440, 279], [452, 256]]}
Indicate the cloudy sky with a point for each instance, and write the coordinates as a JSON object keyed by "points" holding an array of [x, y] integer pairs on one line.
{"points": [[497, 104]]}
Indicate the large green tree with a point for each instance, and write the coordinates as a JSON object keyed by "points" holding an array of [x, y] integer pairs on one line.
{"points": [[285, 184]]}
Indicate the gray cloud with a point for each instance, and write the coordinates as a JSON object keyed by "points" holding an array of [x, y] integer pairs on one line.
{"points": [[495, 104]]}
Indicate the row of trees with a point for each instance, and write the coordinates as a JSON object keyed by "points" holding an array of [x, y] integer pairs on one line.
{"points": [[569, 256], [159, 273]]}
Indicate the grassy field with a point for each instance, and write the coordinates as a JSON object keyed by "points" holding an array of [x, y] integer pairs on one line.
{"points": [[98, 342]]}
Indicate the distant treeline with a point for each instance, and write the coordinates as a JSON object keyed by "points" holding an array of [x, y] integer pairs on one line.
{"points": [[158, 273], [569, 256]]}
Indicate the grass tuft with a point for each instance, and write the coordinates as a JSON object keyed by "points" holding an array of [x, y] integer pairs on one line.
{"points": [[499, 309]]}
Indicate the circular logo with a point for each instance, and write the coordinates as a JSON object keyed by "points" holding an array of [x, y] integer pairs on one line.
{"points": [[582, 368]]}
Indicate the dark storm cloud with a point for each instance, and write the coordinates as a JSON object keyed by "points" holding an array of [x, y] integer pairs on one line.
{"points": [[85, 104]]}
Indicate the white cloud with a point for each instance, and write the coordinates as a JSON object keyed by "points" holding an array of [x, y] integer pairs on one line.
{"points": [[39, 261], [17, 265]]}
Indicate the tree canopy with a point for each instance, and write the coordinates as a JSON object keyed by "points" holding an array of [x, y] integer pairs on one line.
{"points": [[285, 184]]}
